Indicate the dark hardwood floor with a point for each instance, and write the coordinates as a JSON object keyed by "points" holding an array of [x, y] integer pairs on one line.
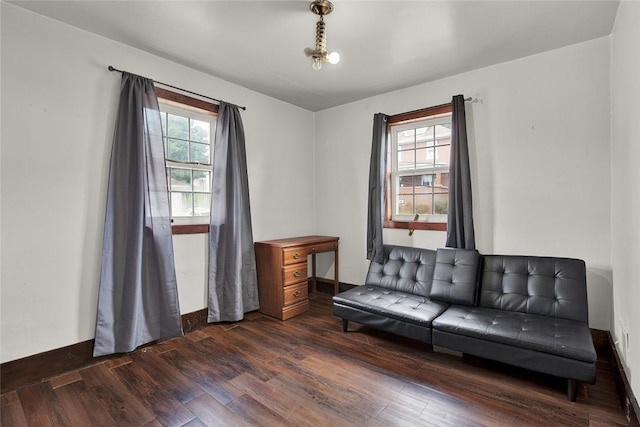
{"points": [[306, 372]]}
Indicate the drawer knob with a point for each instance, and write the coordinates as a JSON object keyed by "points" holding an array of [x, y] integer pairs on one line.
{"points": [[296, 255], [296, 294], [297, 273]]}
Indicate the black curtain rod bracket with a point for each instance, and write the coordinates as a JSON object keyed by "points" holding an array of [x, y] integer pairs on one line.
{"points": [[110, 68]]}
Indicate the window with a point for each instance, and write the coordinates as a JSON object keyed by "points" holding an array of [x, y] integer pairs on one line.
{"points": [[188, 132], [418, 179]]}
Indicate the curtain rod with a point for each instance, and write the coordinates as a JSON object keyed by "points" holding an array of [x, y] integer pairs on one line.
{"points": [[110, 68], [415, 114]]}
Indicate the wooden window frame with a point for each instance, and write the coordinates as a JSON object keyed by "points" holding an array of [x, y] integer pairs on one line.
{"points": [[397, 119], [189, 101]]}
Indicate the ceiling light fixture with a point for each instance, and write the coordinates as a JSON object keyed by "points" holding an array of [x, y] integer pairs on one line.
{"points": [[319, 54]]}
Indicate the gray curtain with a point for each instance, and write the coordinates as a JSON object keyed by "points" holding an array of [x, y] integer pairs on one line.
{"points": [[460, 233], [377, 184], [138, 296], [233, 288]]}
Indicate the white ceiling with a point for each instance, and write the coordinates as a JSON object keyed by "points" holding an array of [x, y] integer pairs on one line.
{"points": [[384, 45]]}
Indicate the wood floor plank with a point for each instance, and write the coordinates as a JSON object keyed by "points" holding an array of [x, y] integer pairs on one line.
{"points": [[65, 379], [376, 386], [41, 406], [266, 394], [71, 404], [212, 413], [246, 355], [255, 413], [195, 423], [275, 335], [230, 357], [315, 415], [9, 398], [148, 391], [350, 406], [93, 406], [123, 407], [396, 416], [12, 414], [203, 373], [207, 353], [482, 396], [154, 423], [180, 387]]}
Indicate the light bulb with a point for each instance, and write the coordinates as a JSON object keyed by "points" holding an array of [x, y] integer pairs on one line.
{"points": [[316, 64], [333, 58]]}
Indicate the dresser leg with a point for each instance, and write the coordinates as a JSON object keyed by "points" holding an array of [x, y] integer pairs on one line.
{"points": [[345, 325], [313, 273]]}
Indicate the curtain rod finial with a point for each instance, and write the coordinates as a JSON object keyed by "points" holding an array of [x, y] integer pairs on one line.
{"points": [[110, 68]]}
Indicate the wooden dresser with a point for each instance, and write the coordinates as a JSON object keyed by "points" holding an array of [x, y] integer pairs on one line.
{"points": [[283, 282]]}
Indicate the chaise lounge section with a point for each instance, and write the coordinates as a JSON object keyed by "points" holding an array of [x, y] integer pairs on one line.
{"points": [[529, 312]]}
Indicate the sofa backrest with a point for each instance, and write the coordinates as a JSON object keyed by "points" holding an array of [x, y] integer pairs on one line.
{"points": [[455, 277], [405, 269], [546, 286]]}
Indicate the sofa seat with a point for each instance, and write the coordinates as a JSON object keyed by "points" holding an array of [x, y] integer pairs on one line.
{"points": [[554, 336], [393, 304]]}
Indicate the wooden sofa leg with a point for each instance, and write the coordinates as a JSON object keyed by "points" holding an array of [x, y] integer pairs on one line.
{"points": [[572, 390], [345, 325]]}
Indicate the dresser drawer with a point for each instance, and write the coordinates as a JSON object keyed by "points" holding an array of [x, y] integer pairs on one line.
{"points": [[294, 255], [295, 273], [322, 247], [296, 293]]}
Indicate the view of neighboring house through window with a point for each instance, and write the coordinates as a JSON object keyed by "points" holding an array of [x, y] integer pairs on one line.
{"points": [[419, 156], [188, 136]]}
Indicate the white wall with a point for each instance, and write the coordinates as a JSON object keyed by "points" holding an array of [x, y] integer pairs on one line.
{"points": [[625, 196], [540, 161], [58, 110]]}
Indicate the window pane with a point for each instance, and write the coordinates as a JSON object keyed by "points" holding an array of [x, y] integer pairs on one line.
{"points": [[404, 204], [200, 153], [441, 204], [406, 139], [423, 204], [424, 136], [177, 127], [202, 204], [443, 132], [423, 190], [180, 179], [442, 155], [406, 160], [178, 150], [406, 183], [181, 204], [424, 157], [200, 131], [442, 180], [201, 181]]}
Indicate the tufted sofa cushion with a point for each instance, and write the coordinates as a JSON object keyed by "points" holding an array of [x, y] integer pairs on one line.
{"points": [[455, 276], [535, 285], [393, 304], [408, 270], [561, 337]]}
